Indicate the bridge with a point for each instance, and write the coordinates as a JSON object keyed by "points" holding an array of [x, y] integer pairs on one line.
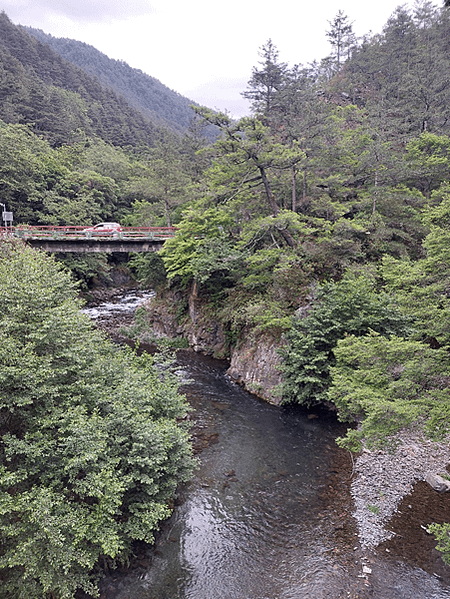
{"points": [[81, 239]]}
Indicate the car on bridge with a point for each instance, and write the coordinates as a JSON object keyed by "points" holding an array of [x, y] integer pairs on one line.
{"points": [[103, 229]]}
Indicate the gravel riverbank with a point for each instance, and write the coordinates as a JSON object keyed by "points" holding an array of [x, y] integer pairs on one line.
{"points": [[381, 479]]}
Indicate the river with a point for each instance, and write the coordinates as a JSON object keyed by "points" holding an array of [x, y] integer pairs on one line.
{"points": [[267, 514]]}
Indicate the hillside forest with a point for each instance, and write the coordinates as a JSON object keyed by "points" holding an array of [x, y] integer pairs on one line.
{"points": [[321, 221]]}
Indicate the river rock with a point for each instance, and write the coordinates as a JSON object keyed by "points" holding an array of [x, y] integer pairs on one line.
{"points": [[255, 364], [438, 483]]}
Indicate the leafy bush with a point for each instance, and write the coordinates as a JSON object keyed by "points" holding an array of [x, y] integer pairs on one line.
{"points": [[90, 449], [350, 306], [441, 533], [149, 269], [388, 384], [86, 267]]}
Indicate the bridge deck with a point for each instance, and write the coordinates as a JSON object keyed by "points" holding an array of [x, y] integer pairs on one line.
{"points": [[79, 239]]}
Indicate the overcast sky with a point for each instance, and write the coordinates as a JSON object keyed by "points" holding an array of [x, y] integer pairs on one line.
{"points": [[201, 49]]}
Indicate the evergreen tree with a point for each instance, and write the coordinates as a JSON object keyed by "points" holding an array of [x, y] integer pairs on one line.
{"points": [[353, 306], [341, 37], [388, 384], [266, 81], [245, 157]]}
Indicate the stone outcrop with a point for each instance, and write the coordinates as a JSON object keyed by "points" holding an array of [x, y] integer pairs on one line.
{"points": [[254, 360], [173, 315], [437, 482], [162, 317], [254, 364]]}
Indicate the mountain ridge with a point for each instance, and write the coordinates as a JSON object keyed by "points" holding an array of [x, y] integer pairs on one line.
{"points": [[150, 96], [58, 100]]}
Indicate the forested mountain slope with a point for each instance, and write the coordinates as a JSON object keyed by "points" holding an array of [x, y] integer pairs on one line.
{"points": [[147, 94], [74, 152], [402, 77], [41, 89]]}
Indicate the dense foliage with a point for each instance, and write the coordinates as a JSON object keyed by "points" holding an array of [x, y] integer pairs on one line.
{"points": [[55, 98], [322, 177], [90, 448], [89, 180], [353, 306]]}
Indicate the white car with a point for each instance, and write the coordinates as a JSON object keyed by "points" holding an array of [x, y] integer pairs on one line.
{"points": [[103, 229]]}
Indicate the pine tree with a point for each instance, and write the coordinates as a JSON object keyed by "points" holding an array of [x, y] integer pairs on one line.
{"points": [[341, 37], [266, 81]]}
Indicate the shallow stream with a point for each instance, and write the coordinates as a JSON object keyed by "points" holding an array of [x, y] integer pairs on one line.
{"points": [[259, 520]]}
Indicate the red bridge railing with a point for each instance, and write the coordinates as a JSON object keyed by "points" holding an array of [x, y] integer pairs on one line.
{"points": [[83, 233]]}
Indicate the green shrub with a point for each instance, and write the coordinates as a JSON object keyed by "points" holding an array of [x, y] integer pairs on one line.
{"points": [[91, 451], [352, 306]]}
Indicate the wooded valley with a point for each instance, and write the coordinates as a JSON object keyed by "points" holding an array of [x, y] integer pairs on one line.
{"points": [[321, 220]]}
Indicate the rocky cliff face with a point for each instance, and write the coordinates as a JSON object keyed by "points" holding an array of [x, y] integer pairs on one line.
{"points": [[254, 359], [254, 364]]}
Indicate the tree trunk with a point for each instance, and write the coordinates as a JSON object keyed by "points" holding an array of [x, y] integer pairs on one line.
{"points": [[167, 210], [275, 210], [375, 192], [294, 189], [269, 195]]}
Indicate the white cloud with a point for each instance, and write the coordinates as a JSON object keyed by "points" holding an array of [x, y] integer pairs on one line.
{"points": [[222, 93]]}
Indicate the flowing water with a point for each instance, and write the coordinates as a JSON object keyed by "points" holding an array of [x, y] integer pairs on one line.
{"points": [[253, 522], [122, 305]]}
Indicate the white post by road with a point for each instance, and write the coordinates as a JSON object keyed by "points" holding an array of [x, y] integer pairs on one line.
{"points": [[7, 216]]}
